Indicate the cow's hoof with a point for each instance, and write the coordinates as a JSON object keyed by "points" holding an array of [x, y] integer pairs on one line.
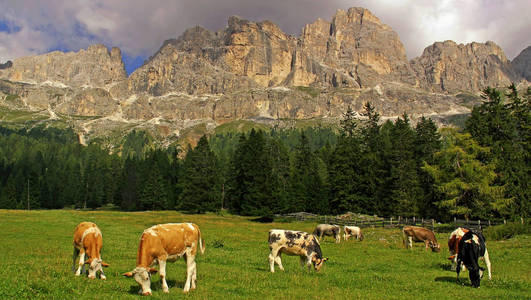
{"points": [[167, 291], [103, 277], [146, 294]]}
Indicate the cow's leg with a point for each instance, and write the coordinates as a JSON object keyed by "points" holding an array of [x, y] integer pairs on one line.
{"points": [[74, 256], [409, 243], [338, 238], [194, 276], [190, 264], [487, 262], [279, 262], [81, 264], [309, 263], [271, 262], [458, 269], [426, 243], [162, 270]]}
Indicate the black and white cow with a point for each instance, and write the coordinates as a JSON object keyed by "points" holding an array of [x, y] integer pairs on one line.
{"points": [[471, 248], [328, 230], [299, 243]]}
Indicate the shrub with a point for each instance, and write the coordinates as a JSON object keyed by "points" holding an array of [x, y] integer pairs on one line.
{"points": [[506, 231]]}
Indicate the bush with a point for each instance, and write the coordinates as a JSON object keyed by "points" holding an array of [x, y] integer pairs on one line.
{"points": [[506, 231]]}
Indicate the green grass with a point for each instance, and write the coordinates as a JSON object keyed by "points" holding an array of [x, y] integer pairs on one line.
{"points": [[36, 249], [313, 92]]}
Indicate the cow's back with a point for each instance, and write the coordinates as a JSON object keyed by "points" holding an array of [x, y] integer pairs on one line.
{"points": [[171, 238], [419, 234], [86, 232]]}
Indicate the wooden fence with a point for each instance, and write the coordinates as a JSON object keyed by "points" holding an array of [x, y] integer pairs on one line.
{"points": [[386, 222]]}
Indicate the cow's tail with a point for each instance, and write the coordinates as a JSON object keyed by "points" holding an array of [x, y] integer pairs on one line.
{"points": [[201, 242]]}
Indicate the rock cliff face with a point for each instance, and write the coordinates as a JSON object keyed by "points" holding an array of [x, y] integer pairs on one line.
{"points": [[522, 63], [447, 66], [255, 71], [355, 50], [95, 66]]}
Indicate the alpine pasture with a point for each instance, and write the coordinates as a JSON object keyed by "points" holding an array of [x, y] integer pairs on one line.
{"points": [[36, 260]]}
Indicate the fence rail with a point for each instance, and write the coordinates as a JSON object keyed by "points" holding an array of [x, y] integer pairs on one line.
{"points": [[386, 222]]}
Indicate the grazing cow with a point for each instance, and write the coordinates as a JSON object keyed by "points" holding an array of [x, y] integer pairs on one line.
{"points": [[328, 230], [471, 248], [453, 246], [352, 231], [167, 242], [88, 241], [303, 244], [412, 234]]}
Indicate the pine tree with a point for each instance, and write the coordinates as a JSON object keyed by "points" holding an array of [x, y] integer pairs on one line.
{"points": [[200, 182], [464, 183]]}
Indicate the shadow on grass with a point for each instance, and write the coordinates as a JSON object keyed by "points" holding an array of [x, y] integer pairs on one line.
{"points": [[445, 266], [451, 280], [157, 286]]}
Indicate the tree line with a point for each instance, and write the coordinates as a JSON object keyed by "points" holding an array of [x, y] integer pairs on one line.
{"points": [[391, 168]]}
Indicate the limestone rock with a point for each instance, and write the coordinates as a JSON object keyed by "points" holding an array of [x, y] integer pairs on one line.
{"points": [[522, 63], [95, 66], [447, 66]]}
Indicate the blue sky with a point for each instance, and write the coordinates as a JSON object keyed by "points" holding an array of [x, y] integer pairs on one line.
{"points": [[140, 27]]}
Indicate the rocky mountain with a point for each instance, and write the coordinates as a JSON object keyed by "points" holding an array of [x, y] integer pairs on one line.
{"points": [[447, 66], [254, 71], [522, 63]]}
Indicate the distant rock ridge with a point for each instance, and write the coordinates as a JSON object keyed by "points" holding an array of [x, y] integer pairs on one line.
{"points": [[448, 66], [95, 66], [522, 63], [255, 71]]}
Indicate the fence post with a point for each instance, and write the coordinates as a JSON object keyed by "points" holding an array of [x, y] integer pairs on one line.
{"points": [[399, 220], [522, 220], [414, 223], [504, 221], [391, 222], [433, 224], [489, 223], [479, 224]]}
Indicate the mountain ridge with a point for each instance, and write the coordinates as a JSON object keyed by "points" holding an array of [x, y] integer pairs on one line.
{"points": [[254, 71]]}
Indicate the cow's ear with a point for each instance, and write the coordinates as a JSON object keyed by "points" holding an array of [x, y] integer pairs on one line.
{"points": [[88, 261], [128, 274], [152, 270], [104, 264]]}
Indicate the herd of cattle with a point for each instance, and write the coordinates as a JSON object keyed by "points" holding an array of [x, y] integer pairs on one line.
{"points": [[169, 242]]}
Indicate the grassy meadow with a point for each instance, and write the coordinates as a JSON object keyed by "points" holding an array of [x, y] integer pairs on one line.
{"points": [[36, 260]]}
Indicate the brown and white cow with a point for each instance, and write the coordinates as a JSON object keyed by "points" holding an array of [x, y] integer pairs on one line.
{"points": [[88, 241], [328, 230], [299, 243], [167, 242], [352, 231], [453, 246], [412, 234]]}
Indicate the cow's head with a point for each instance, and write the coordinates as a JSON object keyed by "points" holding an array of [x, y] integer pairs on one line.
{"points": [[435, 247], [318, 263], [143, 277], [95, 265], [475, 276]]}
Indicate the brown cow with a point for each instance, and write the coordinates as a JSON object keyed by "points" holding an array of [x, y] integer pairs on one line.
{"points": [[412, 234], [167, 242], [453, 246], [88, 241]]}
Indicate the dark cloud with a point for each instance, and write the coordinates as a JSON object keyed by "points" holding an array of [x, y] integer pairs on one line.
{"points": [[139, 27]]}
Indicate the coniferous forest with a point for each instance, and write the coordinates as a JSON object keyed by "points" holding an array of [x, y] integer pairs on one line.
{"points": [[391, 168]]}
